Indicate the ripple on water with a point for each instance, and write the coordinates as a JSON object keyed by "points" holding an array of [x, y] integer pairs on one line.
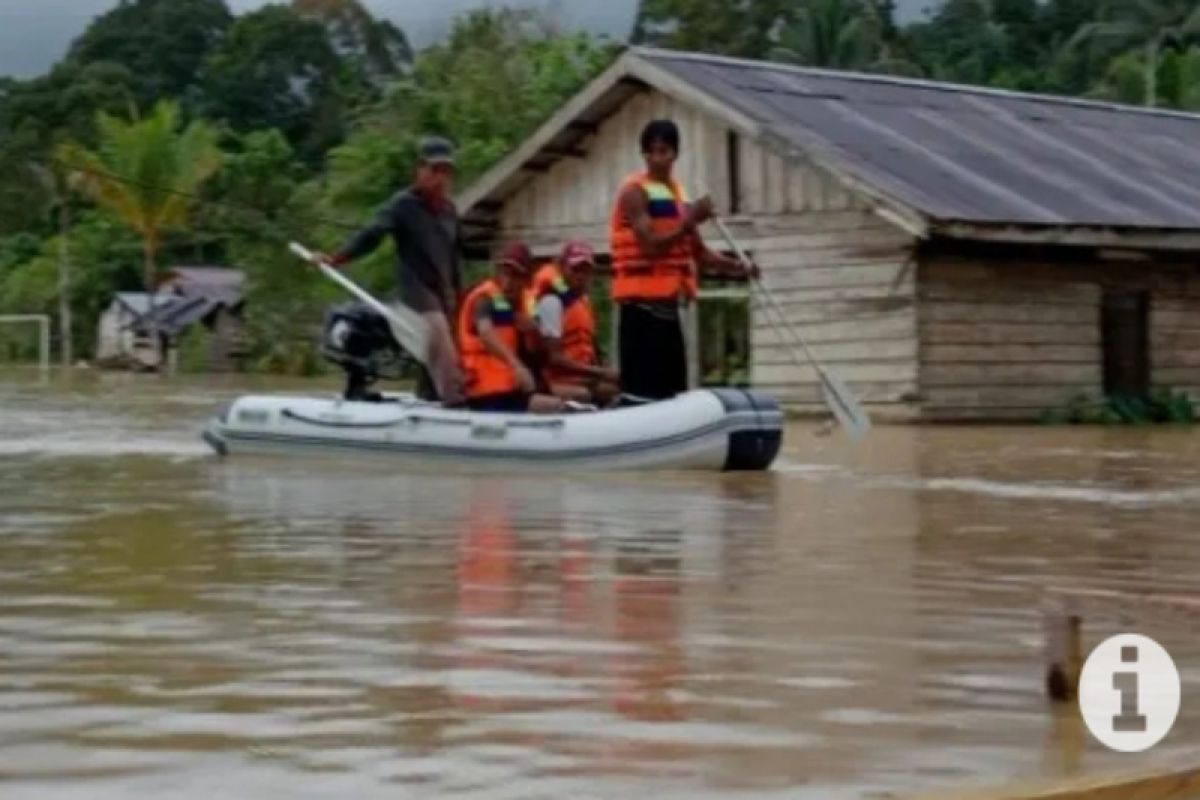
{"points": [[859, 621]]}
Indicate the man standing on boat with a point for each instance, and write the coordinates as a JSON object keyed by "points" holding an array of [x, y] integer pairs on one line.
{"points": [[424, 226], [657, 256]]}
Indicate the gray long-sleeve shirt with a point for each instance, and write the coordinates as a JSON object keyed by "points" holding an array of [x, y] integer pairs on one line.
{"points": [[428, 251]]}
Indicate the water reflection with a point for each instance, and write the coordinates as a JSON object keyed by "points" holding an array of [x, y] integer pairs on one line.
{"points": [[858, 622]]}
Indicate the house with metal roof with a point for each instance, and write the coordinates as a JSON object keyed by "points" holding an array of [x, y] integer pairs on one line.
{"points": [[143, 331], [952, 252]]}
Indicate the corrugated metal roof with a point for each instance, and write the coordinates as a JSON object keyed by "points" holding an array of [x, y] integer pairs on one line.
{"points": [[221, 284], [139, 302], [967, 154]]}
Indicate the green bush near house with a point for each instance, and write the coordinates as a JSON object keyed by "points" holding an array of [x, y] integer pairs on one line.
{"points": [[195, 349], [297, 358], [1164, 407]]}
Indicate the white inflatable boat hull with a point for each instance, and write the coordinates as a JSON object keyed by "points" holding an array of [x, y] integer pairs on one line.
{"points": [[719, 429]]}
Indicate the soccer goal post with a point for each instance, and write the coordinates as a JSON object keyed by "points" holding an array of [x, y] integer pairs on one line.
{"points": [[43, 323]]}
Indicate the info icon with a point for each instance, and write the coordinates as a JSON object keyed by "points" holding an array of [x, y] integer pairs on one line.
{"points": [[1129, 693]]}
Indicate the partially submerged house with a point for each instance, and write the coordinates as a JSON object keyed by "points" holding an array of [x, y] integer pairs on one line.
{"points": [[952, 252], [144, 331]]}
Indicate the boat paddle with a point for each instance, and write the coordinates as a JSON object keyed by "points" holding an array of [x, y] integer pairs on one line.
{"points": [[407, 326], [838, 397]]}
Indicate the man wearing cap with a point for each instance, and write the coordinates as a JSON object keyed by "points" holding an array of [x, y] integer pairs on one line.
{"points": [[567, 326], [489, 333], [424, 226]]}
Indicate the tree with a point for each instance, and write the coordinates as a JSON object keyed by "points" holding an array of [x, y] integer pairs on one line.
{"points": [[496, 77], [376, 48], [1154, 26], [1177, 79], [742, 28], [36, 114], [146, 172], [163, 43], [276, 69], [844, 34], [58, 184]]}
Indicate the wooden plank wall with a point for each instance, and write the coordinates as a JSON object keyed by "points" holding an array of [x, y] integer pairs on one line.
{"points": [[845, 280], [844, 276], [1175, 328], [1009, 340]]}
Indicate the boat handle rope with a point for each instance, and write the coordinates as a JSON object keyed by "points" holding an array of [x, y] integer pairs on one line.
{"points": [[289, 414]]}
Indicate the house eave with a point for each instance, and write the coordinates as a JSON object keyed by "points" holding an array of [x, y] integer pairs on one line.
{"points": [[1123, 238]]}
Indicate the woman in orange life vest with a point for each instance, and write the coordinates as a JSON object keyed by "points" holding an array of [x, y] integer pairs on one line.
{"points": [[489, 325], [657, 253], [567, 329]]}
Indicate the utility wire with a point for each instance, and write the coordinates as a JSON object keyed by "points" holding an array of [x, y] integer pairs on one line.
{"points": [[200, 199], [294, 223]]}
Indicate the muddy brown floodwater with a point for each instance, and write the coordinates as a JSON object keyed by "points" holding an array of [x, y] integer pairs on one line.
{"points": [[861, 622]]}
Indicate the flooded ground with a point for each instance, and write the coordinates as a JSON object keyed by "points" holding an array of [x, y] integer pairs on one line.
{"points": [[858, 623]]}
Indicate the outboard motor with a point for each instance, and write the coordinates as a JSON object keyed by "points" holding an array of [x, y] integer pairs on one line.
{"points": [[358, 340]]}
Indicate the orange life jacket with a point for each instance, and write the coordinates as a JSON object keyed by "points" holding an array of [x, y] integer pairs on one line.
{"points": [[485, 373], [637, 276], [578, 323]]}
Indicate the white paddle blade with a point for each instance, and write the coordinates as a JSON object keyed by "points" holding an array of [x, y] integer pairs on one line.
{"points": [[838, 397], [845, 407]]}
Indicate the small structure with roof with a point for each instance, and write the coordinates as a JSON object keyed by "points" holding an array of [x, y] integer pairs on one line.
{"points": [[143, 331], [953, 252]]}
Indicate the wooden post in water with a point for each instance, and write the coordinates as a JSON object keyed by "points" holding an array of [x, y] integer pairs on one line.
{"points": [[1064, 650]]}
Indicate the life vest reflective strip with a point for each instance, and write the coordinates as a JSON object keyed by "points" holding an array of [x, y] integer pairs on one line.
{"points": [[637, 275], [485, 373], [578, 324]]}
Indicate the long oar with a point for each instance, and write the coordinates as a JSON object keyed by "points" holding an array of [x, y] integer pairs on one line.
{"points": [[838, 397], [407, 326]]}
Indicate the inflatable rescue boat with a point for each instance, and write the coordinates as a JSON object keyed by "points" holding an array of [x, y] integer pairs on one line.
{"points": [[707, 429]]}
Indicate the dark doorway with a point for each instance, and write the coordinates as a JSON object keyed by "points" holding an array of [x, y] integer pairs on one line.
{"points": [[1125, 331]]}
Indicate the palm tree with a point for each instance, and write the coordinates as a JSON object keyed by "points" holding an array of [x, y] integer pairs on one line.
{"points": [[843, 34], [146, 171], [1154, 25]]}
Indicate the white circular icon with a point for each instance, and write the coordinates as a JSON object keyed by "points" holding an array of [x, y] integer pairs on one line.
{"points": [[1129, 693]]}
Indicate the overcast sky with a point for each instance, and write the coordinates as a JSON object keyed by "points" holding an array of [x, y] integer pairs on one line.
{"points": [[35, 33]]}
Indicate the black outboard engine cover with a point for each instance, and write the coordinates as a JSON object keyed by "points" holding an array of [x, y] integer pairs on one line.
{"points": [[358, 340]]}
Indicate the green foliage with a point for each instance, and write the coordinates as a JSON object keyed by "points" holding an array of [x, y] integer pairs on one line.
{"points": [[195, 349], [712, 26], [376, 49], [1065, 46], [277, 69], [105, 256], [145, 171], [162, 43], [1165, 406], [497, 76]]}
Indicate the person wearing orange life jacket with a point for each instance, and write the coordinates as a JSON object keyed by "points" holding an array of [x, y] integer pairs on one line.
{"points": [[567, 328], [658, 255], [489, 332]]}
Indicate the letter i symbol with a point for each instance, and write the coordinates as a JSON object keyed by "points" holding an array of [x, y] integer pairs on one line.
{"points": [[1129, 720]]}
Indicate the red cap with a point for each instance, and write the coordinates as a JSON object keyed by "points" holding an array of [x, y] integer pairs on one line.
{"points": [[577, 252], [517, 255]]}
